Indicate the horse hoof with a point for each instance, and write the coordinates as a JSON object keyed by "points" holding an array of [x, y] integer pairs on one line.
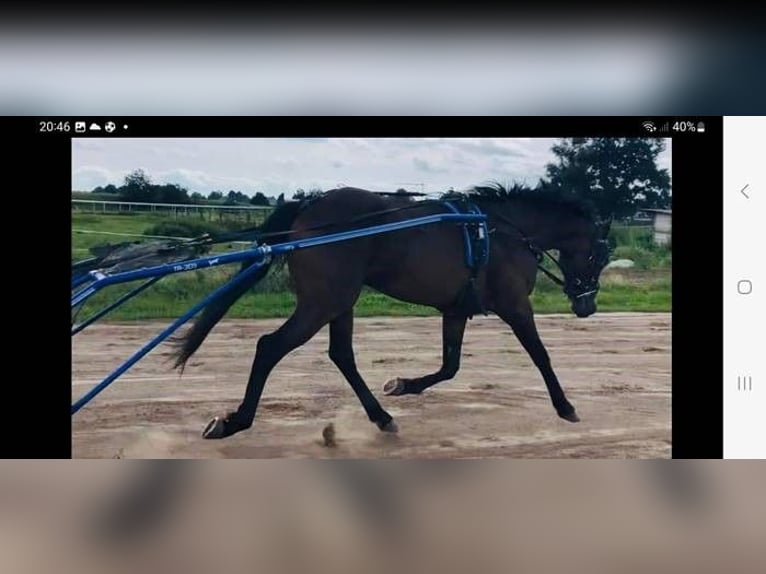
{"points": [[216, 428], [389, 427], [571, 417], [394, 387]]}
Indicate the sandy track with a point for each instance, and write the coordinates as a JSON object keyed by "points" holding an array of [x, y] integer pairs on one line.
{"points": [[615, 368]]}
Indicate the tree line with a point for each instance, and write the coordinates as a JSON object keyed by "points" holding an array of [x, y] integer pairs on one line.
{"points": [[619, 176], [138, 187]]}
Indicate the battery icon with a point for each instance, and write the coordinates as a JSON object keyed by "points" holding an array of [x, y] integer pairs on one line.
{"points": [[701, 127]]}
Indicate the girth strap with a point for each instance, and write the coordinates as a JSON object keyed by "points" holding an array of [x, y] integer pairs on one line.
{"points": [[476, 252], [475, 238]]}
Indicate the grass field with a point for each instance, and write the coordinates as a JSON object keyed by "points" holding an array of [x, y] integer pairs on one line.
{"points": [[647, 287]]}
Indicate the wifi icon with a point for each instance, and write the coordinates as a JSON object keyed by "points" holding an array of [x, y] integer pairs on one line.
{"points": [[649, 126]]}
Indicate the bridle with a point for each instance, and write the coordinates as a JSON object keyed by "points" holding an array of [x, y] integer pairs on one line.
{"points": [[576, 288]]}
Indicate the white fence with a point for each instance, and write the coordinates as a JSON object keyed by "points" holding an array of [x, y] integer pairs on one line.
{"points": [[252, 213]]}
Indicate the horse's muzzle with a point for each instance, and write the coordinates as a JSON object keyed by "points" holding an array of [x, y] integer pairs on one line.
{"points": [[584, 306]]}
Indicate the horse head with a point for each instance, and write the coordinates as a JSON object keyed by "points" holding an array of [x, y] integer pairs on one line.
{"points": [[582, 260]]}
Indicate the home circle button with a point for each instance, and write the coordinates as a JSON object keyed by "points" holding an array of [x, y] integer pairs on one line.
{"points": [[744, 287]]}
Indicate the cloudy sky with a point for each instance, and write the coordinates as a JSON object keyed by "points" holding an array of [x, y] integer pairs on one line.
{"points": [[282, 165]]}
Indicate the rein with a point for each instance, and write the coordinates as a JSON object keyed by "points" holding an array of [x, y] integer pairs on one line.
{"points": [[557, 280], [252, 233], [572, 290], [538, 252], [560, 282]]}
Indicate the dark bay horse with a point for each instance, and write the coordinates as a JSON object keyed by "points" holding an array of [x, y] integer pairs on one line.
{"points": [[424, 265]]}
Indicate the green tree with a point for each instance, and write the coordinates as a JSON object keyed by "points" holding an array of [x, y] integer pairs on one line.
{"points": [[170, 193], [137, 187], [259, 199], [236, 197], [215, 196], [619, 175]]}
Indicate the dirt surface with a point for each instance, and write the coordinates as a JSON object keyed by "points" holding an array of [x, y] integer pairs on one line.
{"points": [[615, 369]]}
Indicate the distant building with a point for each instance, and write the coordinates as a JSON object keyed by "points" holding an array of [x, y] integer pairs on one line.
{"points": [[662, 221]]}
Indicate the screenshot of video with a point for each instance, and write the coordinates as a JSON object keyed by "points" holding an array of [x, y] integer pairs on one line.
{"points": [[408, 288]]}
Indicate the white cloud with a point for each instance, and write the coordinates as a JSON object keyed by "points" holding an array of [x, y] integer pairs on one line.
{"points": [[428, 166], [282, 165], [87, 177]]}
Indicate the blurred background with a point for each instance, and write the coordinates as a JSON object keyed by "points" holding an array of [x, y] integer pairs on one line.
{"points": [[116, 516], [528, 62]]}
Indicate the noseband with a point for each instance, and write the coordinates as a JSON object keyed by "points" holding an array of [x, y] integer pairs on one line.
{"points": [[577, 288]]}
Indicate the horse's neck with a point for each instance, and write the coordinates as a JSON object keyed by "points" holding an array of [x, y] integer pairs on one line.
{"points": [[541, 227]]}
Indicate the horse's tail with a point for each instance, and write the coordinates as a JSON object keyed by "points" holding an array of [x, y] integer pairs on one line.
{"points": [[280, 220]]}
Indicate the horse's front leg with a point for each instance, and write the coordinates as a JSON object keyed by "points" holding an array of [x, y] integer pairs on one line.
{"points": [[521, 319], [453, 328]]}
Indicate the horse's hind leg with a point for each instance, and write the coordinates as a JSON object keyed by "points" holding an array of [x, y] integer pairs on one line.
{"points": [[342, 354], [521, 320], [453, 328], [299, 328]]}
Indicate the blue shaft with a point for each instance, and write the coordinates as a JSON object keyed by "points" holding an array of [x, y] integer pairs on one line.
{"points": [[129, 295], [260, 252], [80, 279], [80, 297], [162, 336], [163, 270]]}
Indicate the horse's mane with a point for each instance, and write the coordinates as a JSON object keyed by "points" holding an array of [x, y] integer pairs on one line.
{"points": [[544, 195], [548, 196]]}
